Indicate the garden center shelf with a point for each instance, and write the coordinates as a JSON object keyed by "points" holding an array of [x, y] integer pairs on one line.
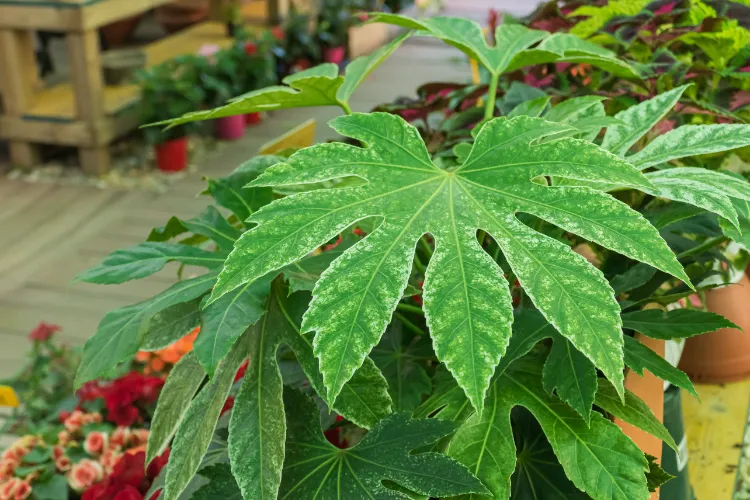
{"points": [[84, 113]]}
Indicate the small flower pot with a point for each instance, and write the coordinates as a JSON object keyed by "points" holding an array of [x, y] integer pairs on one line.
{"points": [[230, 128], [724, 355], [334, 55], [171, 156], [253, 118]]}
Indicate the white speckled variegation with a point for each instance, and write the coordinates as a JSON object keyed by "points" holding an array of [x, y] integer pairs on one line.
{"points": [[467, 303], [639, 119]]}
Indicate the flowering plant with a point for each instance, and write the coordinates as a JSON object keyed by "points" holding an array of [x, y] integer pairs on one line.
{"points": [[45, 384], [88, 458]]}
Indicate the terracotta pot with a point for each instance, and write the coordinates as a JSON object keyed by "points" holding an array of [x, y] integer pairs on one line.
{"points": [[171, 156], [334, 55], [230, 128], [117, 33], [176, 16], [253, 118], [724, 355]]}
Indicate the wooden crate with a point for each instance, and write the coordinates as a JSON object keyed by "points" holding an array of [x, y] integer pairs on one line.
{"points": [[84, 112]]}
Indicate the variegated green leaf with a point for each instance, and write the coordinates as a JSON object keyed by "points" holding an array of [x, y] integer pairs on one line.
{"points": [[180, 387], [571, 110], [122, 331], [533, 107], [571, 375], [257, 429], [691, 140], [485, 442], [145, 259], [676, 324], [633, 411], [467, 301], [198, 424], [317, 86], [639, 119], [211, 224], [171, 324], [224, 321], [230, 192], [639, 357], [467, 36], [740, 233], [314, 468], [712, 191]]}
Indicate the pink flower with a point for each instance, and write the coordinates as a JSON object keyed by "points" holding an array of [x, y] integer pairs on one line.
{"points": [[109, 458], [63, 437], [74, 422], [208, 49], [95, 443], [43, 332], [84, 474], [119, 438], [62, 463], [57, 451], [92, 418], [15, 489], [138, 437]]}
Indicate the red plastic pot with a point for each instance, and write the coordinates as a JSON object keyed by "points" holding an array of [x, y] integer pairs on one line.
{"points": [[230, 128], [253, 118], [334, 55], [171, 156]]}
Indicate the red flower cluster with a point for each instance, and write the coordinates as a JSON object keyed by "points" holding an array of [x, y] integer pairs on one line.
{"points": [[124, 397], [130, 479], [43, 332]]}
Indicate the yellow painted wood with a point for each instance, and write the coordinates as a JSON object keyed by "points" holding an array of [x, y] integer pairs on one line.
{"points": [[299, 137], [714, 427]]}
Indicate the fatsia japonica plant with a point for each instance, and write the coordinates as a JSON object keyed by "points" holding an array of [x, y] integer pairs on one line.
{"points": [[421, 327]]}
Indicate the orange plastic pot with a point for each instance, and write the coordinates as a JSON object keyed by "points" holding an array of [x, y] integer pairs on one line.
{"points": [[724, 355]]}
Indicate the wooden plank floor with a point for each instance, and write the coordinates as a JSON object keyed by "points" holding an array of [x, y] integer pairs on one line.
{"points": [[50, 233]]}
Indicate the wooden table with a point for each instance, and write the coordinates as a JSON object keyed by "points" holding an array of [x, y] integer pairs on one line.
{"points": [[83, 113]]}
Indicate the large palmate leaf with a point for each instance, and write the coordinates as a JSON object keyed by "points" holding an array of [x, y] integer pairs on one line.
{"points": [[224, 321], [586, 451], [257, 429], [196, 429], [676, 324], [180, 387], [513, 42], [123, 331], [466, 299], [221, 484], [314, 468], [317, 86], [145, 259]]}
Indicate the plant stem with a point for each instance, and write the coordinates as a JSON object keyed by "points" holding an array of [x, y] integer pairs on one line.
{"points": [[345, 107], [425, 246], [709, 243], [409, 308], [489, 108], [418, 262], [409, 325]]}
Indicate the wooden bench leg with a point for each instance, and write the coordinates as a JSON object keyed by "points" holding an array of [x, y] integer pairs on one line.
{"points": [[18, 82], [88, 85], [94, 161]]}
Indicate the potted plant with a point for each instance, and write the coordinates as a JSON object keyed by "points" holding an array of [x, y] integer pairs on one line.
{"points": [[332, 30], [171, 87], [297, 49], [224, 77], [434, 298], [259, 70]]}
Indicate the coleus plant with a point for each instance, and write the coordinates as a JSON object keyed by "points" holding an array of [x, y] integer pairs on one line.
{"points": [[324, 253]]}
